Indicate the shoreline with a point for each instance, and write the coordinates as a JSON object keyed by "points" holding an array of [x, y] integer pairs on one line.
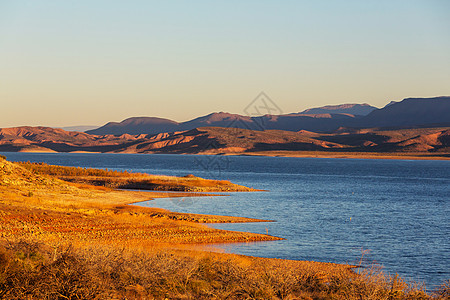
{"points": [[345, 155], [286, 153], [222, 219]]}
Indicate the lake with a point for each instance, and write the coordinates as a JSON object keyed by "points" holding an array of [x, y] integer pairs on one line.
{"points": [[331, 210]]}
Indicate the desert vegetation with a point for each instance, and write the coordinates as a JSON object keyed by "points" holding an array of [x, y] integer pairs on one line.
{"points": [[32, 270], [131, 180], [43, 168]]}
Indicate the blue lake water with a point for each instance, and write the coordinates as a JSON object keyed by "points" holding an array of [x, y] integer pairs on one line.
{"points": [[327, 209]]}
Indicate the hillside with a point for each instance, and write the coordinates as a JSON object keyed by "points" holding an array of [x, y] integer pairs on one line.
{"points": [[28, 138], [410, 112], [215, 140]]}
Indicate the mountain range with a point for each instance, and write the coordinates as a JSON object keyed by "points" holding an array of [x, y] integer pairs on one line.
{"points": [[410, 112], [412, 125]]}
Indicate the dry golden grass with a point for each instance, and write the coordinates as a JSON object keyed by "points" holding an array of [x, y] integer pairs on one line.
{"points": [[32, 270], [127, 180]]}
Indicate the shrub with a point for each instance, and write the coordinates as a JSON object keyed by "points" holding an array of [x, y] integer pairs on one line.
{"points": [[444, 291], [31, 270], [43, 168]]}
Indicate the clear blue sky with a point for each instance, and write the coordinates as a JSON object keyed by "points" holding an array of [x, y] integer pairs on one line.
{"points": [[88, 62]]}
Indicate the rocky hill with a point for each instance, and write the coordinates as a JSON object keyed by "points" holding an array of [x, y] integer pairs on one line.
{"points": [[49, 139], [214, 140]]}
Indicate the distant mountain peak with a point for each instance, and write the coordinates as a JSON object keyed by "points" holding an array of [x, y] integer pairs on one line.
{"points": [[137, 125], [347, 108], [145, 120], [80, 128]]}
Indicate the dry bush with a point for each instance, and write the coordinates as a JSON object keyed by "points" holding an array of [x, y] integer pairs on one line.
{"points": [[130, 180], [43, 168], [444, 291], [31, 270]]}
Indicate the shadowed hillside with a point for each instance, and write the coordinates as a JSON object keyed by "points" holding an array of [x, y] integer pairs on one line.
{"points": [[411, 112], [218, 140]]}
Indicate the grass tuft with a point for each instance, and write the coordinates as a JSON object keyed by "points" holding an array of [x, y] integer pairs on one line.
{"points": [[130, 180], [30, 270]]}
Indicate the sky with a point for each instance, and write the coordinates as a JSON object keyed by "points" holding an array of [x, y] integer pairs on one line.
{"points": [[86, 62]]}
